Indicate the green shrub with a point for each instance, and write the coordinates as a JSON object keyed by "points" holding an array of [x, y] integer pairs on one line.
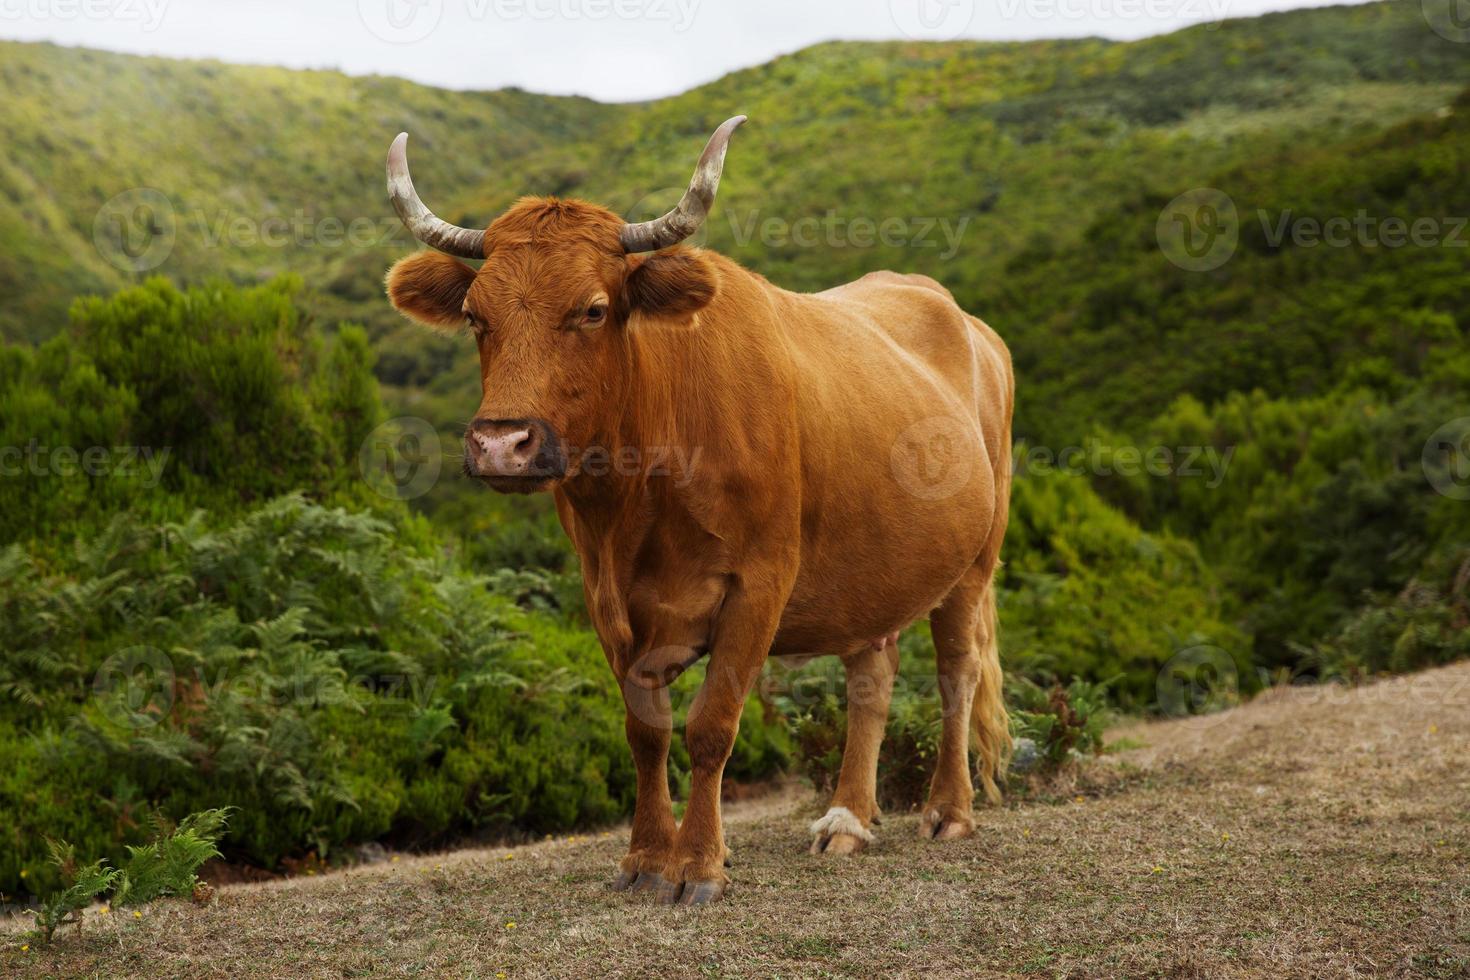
{"points": [[158, 401], [1065, 723], [165, 866]]}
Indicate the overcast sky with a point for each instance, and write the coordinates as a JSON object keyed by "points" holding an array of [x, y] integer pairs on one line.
{"points": [[613, 50]]}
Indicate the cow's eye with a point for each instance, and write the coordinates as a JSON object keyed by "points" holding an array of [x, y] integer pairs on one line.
{"points": [[595, 314]]}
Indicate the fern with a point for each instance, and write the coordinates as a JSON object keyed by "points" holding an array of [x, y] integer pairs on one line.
{"points": [[81, 885], [168, 864]]}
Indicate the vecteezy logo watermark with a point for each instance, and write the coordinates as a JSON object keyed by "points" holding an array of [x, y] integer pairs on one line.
{"points": [[401, 458], [1199, 229], [1446, 459], [400, 21], [148, 14], [142, 463], [135, 231], [933, 458], [932, 20], [1198, 680], [135, 687], [1450, 19]]}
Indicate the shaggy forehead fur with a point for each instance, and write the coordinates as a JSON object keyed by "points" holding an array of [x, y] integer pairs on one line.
{"points": [[544, 242], [555, 224]]}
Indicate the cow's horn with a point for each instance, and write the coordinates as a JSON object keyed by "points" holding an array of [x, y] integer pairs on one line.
{"points": [[425, 225], [693, 207]]}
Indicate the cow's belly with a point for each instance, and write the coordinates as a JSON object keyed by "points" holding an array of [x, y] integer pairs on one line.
{"points": [[903, 441], [882, 573]]}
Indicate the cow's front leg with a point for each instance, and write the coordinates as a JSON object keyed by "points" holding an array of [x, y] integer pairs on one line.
{"points": [[695, 872], [649, 726]]}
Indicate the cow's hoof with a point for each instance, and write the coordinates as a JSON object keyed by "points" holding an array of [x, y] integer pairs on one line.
{"points": [[839, 831], [838, 844], [945, 823], [637, 881], [690, 892]]}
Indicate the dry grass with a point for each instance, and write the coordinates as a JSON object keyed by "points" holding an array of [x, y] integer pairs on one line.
{"points": [[1306, 834]]}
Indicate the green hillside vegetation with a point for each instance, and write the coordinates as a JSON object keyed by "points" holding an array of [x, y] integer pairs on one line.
{"points": [[294, 606], [1327, 369]]}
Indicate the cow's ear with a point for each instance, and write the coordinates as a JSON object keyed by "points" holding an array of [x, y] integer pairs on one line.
{"points": [[675, 283], [430, 287]]}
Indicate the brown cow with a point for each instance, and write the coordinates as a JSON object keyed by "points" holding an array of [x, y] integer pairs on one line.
{"points": [[845, 472]]}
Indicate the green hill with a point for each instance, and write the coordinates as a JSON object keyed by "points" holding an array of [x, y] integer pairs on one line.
{"points": [[1023, 143]]}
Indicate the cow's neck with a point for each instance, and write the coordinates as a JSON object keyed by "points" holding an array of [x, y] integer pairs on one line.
{"points": [[712, 390], [692, 392]]}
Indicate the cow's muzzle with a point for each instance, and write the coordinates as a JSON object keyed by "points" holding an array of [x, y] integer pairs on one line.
{"points": [[514, 455]]}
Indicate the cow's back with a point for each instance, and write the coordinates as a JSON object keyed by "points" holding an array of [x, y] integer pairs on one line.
{"points": [[905, 403]]}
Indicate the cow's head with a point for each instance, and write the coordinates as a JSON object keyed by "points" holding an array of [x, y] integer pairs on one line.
{"points": [[549, 310]]}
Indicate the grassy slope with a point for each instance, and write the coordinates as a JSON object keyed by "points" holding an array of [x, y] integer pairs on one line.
{"points": [[1313, 832]]}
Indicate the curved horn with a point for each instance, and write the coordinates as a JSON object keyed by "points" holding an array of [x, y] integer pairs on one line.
{"points": [[426, 227], [694, 206]]}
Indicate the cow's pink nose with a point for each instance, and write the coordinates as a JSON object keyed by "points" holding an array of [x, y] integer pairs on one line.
{"points": [[512, 448]]}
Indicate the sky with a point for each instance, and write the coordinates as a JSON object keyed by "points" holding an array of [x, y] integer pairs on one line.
{"points": [[612, 50]]}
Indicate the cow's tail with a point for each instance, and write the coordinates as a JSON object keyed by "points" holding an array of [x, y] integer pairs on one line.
{"points": [[988, 715]]}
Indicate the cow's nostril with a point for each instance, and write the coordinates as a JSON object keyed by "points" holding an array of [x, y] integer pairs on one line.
{"points": [[514, 448]]}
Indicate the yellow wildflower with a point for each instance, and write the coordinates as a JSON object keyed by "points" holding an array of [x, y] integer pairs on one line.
{"points": [[104, 910], [137, 914], [510, 925], [1158, 870]]}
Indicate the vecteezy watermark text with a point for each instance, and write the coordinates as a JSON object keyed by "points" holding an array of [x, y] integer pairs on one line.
{"points": [[142, 463], [1201, 230], [835, 230], [136, 230], [410, 21], [147, 13], [1209, 462]]}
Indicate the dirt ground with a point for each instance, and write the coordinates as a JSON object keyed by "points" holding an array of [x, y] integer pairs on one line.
{"points": [[1315, 832]]}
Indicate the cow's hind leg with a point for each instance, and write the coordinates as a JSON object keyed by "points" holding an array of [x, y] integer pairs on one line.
{"points": [[845, 828], [964, 629]]}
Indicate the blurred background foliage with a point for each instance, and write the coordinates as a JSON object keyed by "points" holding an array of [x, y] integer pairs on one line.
{"points": [[256, 627]]}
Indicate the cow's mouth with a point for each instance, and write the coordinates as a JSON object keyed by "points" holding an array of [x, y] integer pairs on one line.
{"points": [[517, 484]]}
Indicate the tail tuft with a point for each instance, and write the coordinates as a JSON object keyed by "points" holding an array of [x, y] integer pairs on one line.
{"points": [[988, 716]]}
